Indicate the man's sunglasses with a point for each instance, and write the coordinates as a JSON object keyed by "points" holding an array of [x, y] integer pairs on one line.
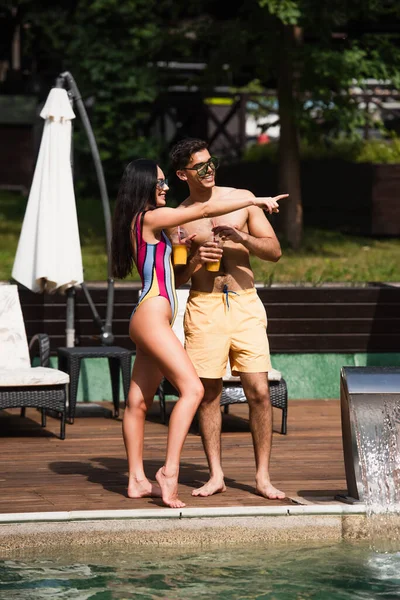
{"points": [[162, 183], [202, 168]]}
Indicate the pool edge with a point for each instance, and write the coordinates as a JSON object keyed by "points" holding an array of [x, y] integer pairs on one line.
{"points": [[185, 528], [184, 513]]}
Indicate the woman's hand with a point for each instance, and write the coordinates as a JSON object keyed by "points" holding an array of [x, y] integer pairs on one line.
{"points": [[270, 204], [188, 241]]}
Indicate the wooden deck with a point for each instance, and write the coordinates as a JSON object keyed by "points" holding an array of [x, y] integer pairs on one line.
{"points": [[88, 470]]}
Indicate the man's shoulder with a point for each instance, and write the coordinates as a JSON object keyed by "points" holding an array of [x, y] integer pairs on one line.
{"points": [[186, 202], [239, 192]]}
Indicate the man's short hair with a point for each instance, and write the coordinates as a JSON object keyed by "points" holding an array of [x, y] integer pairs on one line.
{"points": [[182, 151]]}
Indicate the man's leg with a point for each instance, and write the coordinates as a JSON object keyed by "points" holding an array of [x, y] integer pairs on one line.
{"points": [[210, 421], [256, 389]]}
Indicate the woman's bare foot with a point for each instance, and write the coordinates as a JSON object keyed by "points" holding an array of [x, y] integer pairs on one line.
{"points": [[169, 489], [267, 490], [142, 488], [215, 485]]}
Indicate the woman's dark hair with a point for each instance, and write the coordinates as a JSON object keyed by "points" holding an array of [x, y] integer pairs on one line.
{"points": [[136, 191], [182, 151]]}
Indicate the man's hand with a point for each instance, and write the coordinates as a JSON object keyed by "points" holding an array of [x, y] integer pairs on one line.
{"points": [[227, 232], [208, 252]]}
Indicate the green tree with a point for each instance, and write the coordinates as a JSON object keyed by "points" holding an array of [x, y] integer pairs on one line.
{"points": [[325, 48], [312, 53], [109, 52], [108, 47]]}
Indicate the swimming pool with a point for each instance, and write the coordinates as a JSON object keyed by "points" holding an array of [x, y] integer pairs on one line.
{"points": [[318, 571]]}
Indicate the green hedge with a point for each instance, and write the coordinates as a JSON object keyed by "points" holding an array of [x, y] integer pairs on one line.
{"points": [[361, 151]]}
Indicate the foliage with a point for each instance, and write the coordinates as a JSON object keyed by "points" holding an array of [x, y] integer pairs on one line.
{"points": [[112, 47], [335, 84], [379, 151], [107, 46], [262, 152], [287, 11], [340, 46], [114, 41], [376, 151]]}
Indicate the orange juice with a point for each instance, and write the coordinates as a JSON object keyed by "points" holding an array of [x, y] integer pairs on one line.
{"points": [[179, 253], [213, 266]]}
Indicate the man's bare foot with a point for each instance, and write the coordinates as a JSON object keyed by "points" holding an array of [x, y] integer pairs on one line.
{"points": [[267, 490], [143, 488], [169, 489], [215, 485]]}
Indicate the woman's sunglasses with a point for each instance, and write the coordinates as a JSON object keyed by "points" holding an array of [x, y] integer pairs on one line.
{"points": [[202, 168], [162, 183]]}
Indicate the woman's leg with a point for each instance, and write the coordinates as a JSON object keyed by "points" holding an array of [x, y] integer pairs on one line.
{"points": [[154, 335], [144, 383]]}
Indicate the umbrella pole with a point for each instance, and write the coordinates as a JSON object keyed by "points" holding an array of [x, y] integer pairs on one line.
{"points": [[96, 315], [107, 336], [70, 292], [70, 324]]}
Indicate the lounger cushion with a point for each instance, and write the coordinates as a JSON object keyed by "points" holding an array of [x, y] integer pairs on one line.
{"points": [[14, 353], [32, 376]]}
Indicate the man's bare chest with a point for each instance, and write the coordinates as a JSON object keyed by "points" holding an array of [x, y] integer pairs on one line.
{"points": [[203, 227]]}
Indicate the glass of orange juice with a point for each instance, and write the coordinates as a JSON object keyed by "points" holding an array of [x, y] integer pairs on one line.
{"points": [[179, 248], [216, 265]]}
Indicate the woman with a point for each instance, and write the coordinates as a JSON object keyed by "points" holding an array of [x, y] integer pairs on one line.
{"points": [[139, 238]]}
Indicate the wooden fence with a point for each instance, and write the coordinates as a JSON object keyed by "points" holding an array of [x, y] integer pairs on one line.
{"points": [[300, 319]]}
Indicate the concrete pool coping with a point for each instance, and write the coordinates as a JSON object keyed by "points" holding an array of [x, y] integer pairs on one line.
{"points": [[184, 513], [22, 533]]}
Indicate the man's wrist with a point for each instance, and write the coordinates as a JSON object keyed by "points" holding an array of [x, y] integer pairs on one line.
{"points": [[246, 239], [193, 264], [187, 270]]}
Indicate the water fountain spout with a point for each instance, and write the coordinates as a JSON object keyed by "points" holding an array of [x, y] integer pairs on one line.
{"points": [[370, 409]]}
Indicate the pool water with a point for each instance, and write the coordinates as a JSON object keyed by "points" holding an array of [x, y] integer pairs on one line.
{"points": [[337, 571]]}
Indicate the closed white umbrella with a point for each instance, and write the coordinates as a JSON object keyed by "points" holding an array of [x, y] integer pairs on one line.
{"points": [[49, 254]]}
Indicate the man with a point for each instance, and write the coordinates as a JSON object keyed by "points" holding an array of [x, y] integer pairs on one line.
{"points": [[224, 316]]}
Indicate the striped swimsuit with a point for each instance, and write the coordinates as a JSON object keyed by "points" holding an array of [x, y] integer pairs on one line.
{"points": [[155, 268]]}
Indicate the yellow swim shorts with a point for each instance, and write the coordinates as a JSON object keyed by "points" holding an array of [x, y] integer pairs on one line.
{"points": [[226, 325]]}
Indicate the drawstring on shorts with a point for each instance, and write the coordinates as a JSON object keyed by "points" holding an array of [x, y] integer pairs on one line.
{"points": [[227, 292]]}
